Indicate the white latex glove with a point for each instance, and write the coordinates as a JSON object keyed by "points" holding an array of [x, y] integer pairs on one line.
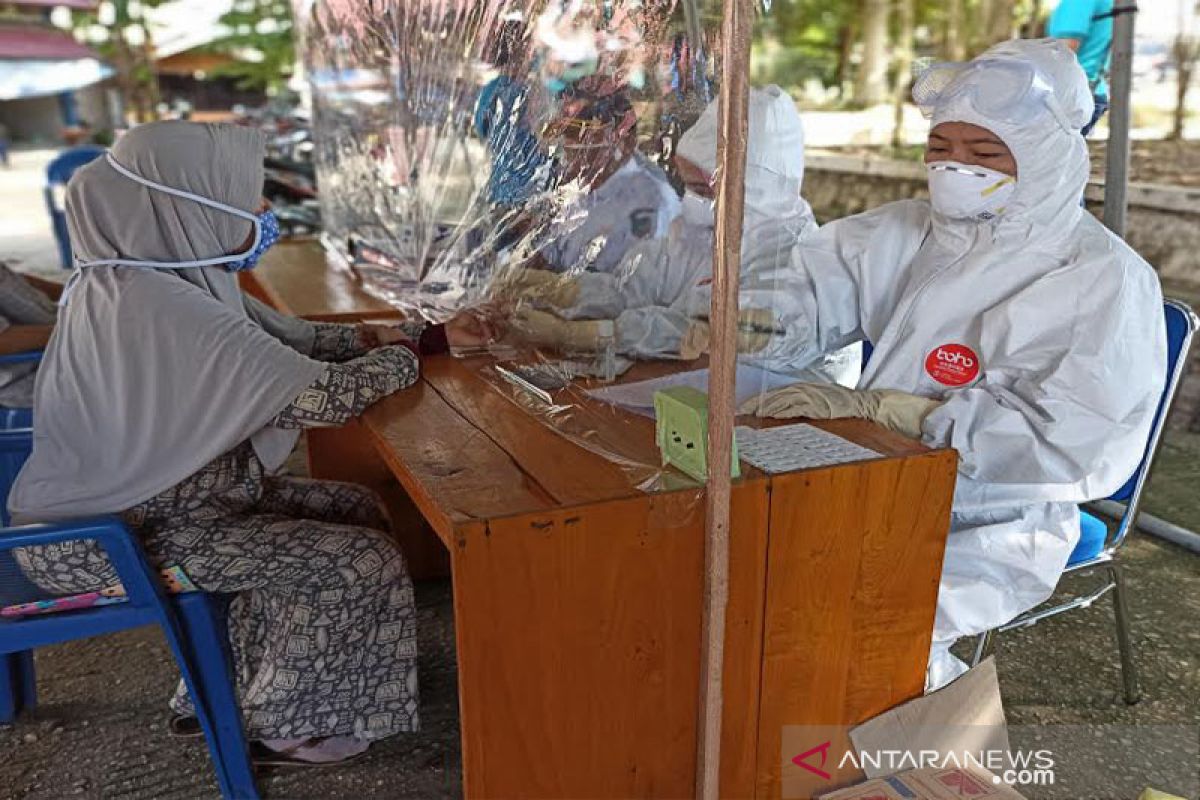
{"points": [[755, 326], [541, 328], [545, 287], [898, 411]]}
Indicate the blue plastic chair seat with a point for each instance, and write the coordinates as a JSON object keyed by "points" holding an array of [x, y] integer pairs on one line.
{"points": [[1093, 534]]}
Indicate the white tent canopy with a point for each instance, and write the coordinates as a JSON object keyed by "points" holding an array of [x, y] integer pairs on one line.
{"points": [[20, 78]]}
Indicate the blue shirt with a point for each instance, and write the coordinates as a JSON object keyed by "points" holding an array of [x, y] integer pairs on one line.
{"points": [[519, 167], [1077, 19]]}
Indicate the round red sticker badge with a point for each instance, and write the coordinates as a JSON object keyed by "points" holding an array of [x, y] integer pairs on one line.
{"points": [[952, 365]]}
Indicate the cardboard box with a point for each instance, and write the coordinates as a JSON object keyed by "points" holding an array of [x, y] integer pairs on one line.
{"points": [[963, 718], [930, 784]]}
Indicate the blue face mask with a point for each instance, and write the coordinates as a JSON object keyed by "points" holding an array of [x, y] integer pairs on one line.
{"points": [[268, 226]]}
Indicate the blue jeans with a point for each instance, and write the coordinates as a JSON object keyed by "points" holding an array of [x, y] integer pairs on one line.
{"points": [[1101, 110]]}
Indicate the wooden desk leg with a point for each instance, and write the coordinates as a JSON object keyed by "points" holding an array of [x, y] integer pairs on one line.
{"points": [[347, 454], [750, 512], [578, 650], [854, 559]]}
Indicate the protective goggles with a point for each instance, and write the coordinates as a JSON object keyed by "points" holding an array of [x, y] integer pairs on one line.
{"points": [[577, 134], [1015, 92], [577, 128]]}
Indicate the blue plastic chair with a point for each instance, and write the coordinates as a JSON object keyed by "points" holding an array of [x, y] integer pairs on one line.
{"points": [[18, 417], [194, 626], [58, 172], [1098, 545]]}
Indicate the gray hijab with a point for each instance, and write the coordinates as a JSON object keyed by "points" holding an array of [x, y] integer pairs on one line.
{"points": [[152, 373]]}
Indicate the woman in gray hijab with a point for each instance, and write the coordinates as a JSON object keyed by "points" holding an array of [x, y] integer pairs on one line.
{"points": [[170, 398]]}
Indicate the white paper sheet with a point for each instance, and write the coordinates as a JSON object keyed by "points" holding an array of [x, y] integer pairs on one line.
{"points": [[788, 448], [639, 397]]}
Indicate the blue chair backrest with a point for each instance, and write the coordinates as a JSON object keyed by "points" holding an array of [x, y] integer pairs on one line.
{"points": [[28, 357], [18, 417], [1181, 325], [11, 418], [15, 446], [58, 172]]}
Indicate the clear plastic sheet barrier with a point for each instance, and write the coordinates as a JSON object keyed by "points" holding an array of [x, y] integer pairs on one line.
{"points": [[553, 165]]}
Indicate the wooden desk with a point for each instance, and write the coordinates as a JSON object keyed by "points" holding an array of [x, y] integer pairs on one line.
{"points": [[296, 278], [577, 596]]}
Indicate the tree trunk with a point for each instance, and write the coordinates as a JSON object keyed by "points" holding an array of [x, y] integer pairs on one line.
{"points": [[906, 21], [126, 67], [135, 64], [1187, 52], [871, 87], [954, 44], [978, 26], [1032, 25], [150, 75], [1002, 22], [846, 36]]}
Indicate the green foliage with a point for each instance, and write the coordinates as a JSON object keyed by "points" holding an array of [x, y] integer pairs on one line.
{"points": [[262, 27], [800, 40], [123, 17], [129, 55]]}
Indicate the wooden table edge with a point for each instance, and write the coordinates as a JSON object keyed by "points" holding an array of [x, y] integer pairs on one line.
{"points": [[461, 526], [443, 524], [271, 296]]}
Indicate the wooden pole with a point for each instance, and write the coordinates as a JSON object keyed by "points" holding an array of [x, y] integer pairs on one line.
{"points": [[1116, 177], [727, 256]]}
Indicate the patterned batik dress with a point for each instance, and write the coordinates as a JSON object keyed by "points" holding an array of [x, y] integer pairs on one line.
{"points": [[322, 624]]}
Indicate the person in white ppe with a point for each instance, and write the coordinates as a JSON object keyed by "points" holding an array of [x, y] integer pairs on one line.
{"points": [[1007, 322], [624, 198], [647, 297]]}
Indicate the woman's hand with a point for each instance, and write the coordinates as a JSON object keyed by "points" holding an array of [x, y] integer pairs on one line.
{"points": [[372, 336], [474, 328]]}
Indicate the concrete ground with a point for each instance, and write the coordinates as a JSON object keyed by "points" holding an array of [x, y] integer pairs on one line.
{"points": [[99, 731], [26, 239], [100, 728]]}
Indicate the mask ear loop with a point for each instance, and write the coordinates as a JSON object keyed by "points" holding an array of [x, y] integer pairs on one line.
{"points": [[204, 201], [130, 262]]}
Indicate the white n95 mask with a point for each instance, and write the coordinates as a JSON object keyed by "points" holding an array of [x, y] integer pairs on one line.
{"points": [[698, 211], [962, 191]]}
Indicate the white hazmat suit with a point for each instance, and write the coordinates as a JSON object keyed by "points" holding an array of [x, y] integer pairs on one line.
{"points": [[648, 293], [1040, 331], [635, 205]]}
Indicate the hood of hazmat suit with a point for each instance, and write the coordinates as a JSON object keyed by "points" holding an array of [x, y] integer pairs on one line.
{"points": [[1041, 331], [648, 293]]}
